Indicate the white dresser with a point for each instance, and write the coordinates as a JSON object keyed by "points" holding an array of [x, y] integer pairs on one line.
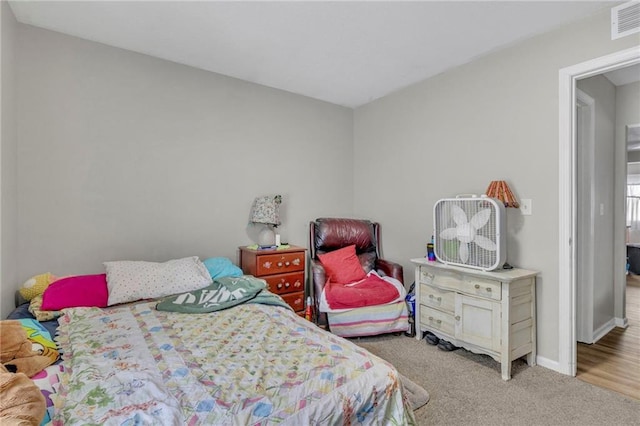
{"points": [[492, 313]]}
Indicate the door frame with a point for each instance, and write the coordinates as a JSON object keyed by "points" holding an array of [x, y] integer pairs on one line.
{"points": [[567, 196], [585, 217]]}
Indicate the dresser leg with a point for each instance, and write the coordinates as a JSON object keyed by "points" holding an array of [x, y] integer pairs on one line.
{"points": [[506, 370], [531, 359]]}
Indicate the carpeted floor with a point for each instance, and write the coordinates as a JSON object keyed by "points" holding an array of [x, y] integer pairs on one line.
{"points": [[467, 389]]}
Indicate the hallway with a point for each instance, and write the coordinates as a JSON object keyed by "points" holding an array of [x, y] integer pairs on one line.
{"points": [[614, 361]]}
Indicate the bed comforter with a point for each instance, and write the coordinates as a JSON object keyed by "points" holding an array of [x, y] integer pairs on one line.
{"points": [[251, 364]]}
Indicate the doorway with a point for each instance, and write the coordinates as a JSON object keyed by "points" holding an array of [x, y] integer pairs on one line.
{"points": [[568, 207], [607, 356]]}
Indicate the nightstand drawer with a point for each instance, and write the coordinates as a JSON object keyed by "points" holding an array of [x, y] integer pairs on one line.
{"points": [[285, 283], [295, 300], [279, 263], [283, 269]]}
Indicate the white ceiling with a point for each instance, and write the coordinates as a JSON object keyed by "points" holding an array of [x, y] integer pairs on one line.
{"points": [[346, 53], [625, 75]]}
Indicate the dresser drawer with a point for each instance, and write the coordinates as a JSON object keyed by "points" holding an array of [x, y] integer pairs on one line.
{"points": [[279, 263], [444, 279], [437, 298], [295, 300], [482, 287], [285, 283], [437, 320], [462, 283]]}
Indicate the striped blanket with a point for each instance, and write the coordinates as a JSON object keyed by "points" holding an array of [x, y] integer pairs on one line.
{"points": [[370, 320], [391, 317]]}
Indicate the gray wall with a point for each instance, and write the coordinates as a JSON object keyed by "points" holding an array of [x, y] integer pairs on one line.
{"points": [[125, 156], [604, 94], [493, 118], [8, 163], [627, 109]]}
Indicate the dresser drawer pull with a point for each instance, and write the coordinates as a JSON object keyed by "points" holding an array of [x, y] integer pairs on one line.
{"points": [[279, 286], [287, 263], [457, 317], [297, 284], [488, 289], [439, 321], [477, 286], [430, 318], [280, 264], [287, 285]]}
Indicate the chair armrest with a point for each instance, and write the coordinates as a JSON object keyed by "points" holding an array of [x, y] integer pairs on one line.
{"points": [[391, 269]]}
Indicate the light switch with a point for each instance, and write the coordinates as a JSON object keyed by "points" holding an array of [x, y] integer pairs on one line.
{"points": [[526, 206]]}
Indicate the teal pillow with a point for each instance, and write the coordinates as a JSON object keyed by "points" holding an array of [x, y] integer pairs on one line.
{"points": [[222, 267]]}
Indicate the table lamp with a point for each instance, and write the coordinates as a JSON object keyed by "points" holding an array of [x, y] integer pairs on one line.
{"points": [[266, 213]]}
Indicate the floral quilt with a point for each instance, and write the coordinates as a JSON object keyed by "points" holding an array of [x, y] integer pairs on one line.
{"points": [[249, 365]]}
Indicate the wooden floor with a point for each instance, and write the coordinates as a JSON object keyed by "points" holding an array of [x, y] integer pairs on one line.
{"points": [[614, 361]]}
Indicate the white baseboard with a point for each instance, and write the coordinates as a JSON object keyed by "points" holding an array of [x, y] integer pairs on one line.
{"points": [[602, 331], [622, 322], [549, 363]]}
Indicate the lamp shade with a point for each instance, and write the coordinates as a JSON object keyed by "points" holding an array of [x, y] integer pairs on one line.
{"points": [[499, 189], [266, 209]]}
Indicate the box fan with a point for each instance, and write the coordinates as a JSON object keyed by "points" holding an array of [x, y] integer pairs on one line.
{"points": [[470, 232]]}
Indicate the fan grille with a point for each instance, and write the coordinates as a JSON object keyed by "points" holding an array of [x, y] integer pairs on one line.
{"points": [[471, 222]]}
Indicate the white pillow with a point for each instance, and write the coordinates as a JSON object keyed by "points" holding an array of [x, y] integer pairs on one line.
{"points": [[130, 280]]}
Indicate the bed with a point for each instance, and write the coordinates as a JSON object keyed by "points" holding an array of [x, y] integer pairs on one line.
{"points": [[252, 363]]}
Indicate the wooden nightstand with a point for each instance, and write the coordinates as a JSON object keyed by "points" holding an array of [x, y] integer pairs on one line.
{"points": [[283, 270]]}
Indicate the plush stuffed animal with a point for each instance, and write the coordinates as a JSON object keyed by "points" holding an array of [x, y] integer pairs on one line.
{"points": [[21, 402], [35, 286], [19, 353]]}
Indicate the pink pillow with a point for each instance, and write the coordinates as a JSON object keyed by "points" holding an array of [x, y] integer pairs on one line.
{"points": [[342, 265], [71, 292]]}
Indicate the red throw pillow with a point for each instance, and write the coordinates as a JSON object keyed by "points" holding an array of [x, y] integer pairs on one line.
{"points": [[342, 265], [71, 292]]}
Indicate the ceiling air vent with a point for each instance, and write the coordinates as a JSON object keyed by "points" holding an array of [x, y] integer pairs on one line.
{"points": [[625, 19]]}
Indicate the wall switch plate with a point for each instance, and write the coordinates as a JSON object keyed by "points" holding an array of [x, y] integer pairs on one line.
{"points": [[526, 206]]}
